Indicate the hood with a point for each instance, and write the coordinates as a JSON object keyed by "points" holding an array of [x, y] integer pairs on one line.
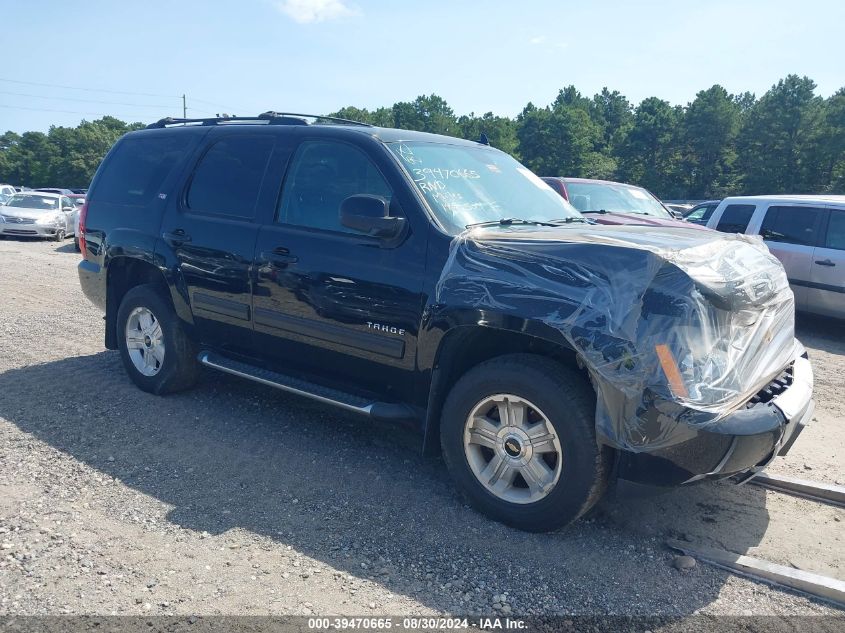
{"points": [[638, 218], [665, 235], [623, 297], [24, 212], [733, 271]]}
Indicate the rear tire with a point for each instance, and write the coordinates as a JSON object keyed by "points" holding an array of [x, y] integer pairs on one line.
{"points": [[529, 421], [76, 244], [156, 351]]}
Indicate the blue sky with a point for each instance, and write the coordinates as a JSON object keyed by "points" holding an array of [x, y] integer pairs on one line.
{"points": [[248, 56]]}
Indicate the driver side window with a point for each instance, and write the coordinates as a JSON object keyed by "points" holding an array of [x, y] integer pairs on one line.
{"points": [[323, 174]]}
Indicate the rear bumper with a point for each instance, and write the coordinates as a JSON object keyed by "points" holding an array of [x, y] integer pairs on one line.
{"points": [[93, 283], [742, 444]]}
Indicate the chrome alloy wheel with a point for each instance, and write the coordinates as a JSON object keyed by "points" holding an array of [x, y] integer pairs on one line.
{"points": [[512, 448], [145, 341]]}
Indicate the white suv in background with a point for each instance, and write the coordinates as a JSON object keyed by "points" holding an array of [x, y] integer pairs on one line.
{"points": [[806, 233]]}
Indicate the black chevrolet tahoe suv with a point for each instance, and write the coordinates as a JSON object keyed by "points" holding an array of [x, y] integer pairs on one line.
{"points": [[435, 281]]}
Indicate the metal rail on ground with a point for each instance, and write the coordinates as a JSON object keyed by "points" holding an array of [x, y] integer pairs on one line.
{"points": [[816, 585], [817, 491]]}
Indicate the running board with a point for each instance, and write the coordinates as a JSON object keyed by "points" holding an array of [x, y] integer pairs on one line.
{"points": [[348, 401]]}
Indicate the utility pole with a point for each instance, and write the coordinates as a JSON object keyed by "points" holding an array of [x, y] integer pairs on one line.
{"points": [[184, 108]]}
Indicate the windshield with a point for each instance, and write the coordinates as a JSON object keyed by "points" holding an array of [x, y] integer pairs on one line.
{"points": [[469, 185], [614, 198], [45, 203]]}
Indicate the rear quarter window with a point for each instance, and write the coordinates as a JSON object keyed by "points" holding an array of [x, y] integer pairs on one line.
{"points": [[735, 218], [137, 167]]}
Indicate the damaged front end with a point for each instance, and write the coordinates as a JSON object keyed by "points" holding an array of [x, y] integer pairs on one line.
{"points": [[678, 329]]}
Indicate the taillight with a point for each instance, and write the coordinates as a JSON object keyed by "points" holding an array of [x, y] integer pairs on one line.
{"points": [[83, 212]]}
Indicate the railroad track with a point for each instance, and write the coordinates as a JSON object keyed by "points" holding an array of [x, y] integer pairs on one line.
{"points": [[829, 589]]}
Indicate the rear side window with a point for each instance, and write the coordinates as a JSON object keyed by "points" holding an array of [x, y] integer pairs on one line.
{"points": [[792, 225], [229, 175], [836, 231], [138, 166], [735, 218], [702, 214]]}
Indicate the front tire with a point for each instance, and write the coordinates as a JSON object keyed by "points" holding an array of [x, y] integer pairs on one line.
{"points": [[518, 437], [156, 351]]}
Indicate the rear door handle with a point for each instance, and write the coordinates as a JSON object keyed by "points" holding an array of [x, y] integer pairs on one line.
{"points": [[177, 237], [825, 262]]}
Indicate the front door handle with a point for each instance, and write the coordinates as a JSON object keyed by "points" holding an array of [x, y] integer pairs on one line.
{"points": [[176, 237], [281, 256], [825, 262]]}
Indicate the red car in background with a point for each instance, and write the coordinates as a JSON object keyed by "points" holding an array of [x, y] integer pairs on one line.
{"points": [[609, 202]]}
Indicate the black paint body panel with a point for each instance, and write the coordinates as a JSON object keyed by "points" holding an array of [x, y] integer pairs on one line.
{"points": [[346, 311]]}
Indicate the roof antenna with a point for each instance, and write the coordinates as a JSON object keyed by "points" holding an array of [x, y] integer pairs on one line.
{"points": [[483, 139]]}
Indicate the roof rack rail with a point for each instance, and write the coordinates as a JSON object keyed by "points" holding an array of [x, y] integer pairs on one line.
{"points": [[319, 117], [270, 117]]}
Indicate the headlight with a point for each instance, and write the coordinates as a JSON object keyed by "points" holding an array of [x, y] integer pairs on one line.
{"points": [[49, 220]]}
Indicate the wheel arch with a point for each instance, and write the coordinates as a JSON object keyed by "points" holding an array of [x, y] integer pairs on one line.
{"points": [[465, 347], [123, 274]]}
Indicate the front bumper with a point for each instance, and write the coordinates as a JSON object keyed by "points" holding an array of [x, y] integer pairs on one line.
{"points": [[743, 443], [28, 230]]}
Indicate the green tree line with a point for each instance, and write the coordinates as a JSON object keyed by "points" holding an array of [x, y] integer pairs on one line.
{"points": [[790, 140], [63, 157]]}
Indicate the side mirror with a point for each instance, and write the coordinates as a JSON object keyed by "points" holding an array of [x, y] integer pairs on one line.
{"points": [[370, 215]]}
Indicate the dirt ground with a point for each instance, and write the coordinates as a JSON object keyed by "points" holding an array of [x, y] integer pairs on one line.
{"points": [[234, 498]]}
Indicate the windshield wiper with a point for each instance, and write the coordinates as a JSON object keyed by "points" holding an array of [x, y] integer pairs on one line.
{"points": [[603, 211], [509, 222], [570, 220]]}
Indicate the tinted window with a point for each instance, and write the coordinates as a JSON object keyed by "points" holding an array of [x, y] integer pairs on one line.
{"points": [[735, 218], [836, 230], [136, 168], [791, 225], [701, 213], [322, 175], [614, 197], [228, 177]]}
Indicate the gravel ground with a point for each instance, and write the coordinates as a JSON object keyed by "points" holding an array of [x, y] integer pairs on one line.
{"points": [[234, 498]]}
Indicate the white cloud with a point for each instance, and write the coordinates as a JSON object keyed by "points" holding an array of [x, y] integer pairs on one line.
{"points": [[546, 42], [309, 11]]}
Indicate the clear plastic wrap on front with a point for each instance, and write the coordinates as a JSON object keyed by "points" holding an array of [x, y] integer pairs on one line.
{"points": [[677, 327]]}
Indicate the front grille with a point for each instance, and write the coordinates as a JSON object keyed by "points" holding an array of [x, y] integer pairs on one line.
{"points": [[774, 388], [11, 219], [19, 232]]}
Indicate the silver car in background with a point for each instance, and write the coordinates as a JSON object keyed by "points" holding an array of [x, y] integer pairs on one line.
{"points": [[36, 214], [806, 233]]}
